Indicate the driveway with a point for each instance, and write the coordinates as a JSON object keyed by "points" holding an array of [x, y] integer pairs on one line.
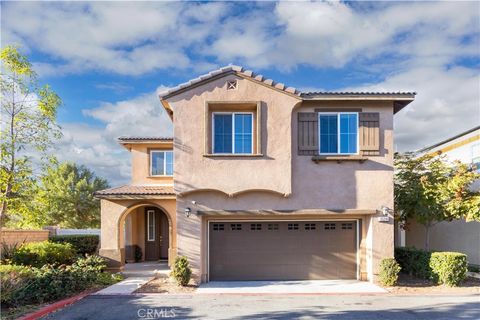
{"points": [[286, 287], [157, 306]]}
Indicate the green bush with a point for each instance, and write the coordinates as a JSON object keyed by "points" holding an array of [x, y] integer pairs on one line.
{"points": [[473, 268], [182, 271], [13, 277], [37, 254], [414, 261], [8, 251], [389, 269], [448, 268], [83, 244], [38, 285]]}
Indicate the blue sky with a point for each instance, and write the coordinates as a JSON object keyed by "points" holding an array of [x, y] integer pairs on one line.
{"points": [[107, 60]]}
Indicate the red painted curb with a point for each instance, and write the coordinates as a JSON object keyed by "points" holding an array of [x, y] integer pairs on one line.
{"points": [[55, 306]]}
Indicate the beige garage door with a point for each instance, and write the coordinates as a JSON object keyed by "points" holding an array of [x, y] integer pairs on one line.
{"points": [[282, 250]]}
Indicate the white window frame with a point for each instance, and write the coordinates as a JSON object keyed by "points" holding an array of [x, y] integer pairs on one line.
{"points": [[150, 237], [338, 153], [233, 132], [164, 163]]}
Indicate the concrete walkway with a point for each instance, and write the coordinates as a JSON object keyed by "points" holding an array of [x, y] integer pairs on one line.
{"points": [[136, 275], [286, 287]]}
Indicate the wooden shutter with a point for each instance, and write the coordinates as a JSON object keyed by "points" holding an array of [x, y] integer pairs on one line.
{"points": [[369, 133], [307, 133]]}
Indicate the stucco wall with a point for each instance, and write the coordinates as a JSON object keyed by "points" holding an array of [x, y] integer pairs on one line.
{"points": [[296, 181], [457, 235], [141, 164], [113, 215]]}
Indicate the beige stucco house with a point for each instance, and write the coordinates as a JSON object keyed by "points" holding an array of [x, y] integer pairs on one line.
{"points": [[260, 181]]}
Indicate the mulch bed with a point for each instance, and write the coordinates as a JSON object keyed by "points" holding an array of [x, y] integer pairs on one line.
{"points": [[408, 284], [165, 285]]}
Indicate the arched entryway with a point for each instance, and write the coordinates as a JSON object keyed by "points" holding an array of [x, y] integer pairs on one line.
{"points": [[145, 234]]}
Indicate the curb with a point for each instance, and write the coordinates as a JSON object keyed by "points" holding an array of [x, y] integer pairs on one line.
{"points": [[55, 306]]}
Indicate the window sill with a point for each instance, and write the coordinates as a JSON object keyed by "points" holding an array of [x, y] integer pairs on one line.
{"points": [[238, 155], [339, 158], [164, 176]]}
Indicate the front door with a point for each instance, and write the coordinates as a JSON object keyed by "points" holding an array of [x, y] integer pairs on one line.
{"points": [[152, 234]]}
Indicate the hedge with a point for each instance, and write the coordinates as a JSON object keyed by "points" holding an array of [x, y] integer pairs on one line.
{"points": [[414, 261], [37, 254], [25, 285], [83, 243], [389, 269], [448, 268]]}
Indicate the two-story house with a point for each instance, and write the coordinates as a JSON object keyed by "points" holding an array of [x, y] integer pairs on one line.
{"points": [[260, 181]]}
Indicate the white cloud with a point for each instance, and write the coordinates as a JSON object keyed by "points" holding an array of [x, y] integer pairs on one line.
{"points": [[119, 37], [97, 147]]}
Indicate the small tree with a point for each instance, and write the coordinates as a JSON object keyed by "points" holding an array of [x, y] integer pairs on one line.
{"points": [[65, 197], [28, 123], [429, 189]]}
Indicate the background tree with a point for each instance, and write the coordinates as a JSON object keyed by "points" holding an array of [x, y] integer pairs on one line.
{"points": [[28, 124], [65, 197], [429, 190]]}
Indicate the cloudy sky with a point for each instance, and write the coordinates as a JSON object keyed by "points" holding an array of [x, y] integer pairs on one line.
{"points": [[107, 61]]}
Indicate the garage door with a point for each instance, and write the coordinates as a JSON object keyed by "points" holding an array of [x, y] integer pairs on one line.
{"points": [[282, 250]]}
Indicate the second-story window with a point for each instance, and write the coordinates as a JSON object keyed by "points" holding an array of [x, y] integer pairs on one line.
{"points": [[161, 163], [338, 132], [232, 132]]}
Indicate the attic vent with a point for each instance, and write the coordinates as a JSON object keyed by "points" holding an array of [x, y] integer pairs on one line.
{"points": [[231, 84]]}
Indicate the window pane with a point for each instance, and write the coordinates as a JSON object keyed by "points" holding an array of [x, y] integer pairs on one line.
{"points": [[223, 133], [328, 133], [157, 163], [243, 133], [169, 164], [348, 133]]}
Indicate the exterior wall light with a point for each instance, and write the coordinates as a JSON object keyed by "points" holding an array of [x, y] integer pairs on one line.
{"points": [[187, 212]]}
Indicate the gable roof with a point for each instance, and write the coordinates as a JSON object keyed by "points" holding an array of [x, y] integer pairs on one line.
{"points": [[231, 69], [438, 144], [401, 99]]}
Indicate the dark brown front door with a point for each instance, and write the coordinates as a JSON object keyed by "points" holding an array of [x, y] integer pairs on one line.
{"points": [[156, 234], [280, 250]]}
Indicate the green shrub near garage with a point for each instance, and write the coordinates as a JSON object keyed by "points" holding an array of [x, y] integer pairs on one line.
{"points": [[83, 243], [414, 261], [389, 269], [37, 254], [448, 268]]}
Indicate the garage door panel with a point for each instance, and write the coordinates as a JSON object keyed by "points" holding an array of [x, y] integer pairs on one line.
{"points": [[282, 250]]}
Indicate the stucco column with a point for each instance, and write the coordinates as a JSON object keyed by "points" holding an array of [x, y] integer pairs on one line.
{"points": [[109, 238]]}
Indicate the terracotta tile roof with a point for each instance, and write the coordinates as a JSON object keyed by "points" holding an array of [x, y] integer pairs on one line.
{"points": [[225, 70], [354, 93], [145, 138], [137, 190]]}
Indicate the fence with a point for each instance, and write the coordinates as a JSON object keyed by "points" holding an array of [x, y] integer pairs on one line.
{"points": [[12, 237]]}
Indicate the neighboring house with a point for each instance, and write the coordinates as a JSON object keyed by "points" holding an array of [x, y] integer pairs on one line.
{"points": [[457, 235], [260, 181]]}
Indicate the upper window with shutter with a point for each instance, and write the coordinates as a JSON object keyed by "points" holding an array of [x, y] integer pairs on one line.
{"points": [[338, 132]]}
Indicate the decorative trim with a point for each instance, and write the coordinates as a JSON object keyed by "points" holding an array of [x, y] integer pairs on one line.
{"points": [[286, 212], [339, 159]]}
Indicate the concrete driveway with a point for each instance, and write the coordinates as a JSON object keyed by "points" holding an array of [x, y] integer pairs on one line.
{"points": [[358, 307], [289, 287]]}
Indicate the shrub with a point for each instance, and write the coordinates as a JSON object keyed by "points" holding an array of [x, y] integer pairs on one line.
{"points": [[389, 269], [51, 282], [414, 261], [473, 268], [13, 277], [182, 271], [448, 268], [82, 243], [37, 254], [8, 251]]}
